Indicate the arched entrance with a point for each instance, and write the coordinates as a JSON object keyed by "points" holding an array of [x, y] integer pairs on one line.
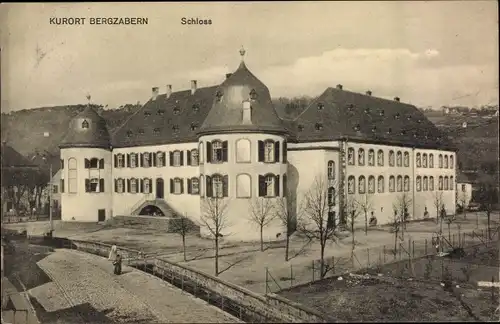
{"points": [[151, 210], [160, 188]]}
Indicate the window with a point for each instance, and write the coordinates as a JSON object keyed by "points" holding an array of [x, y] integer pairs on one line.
{"points": [[419, 160], [253, 94], [361, 157], [391, 158], [380, 158], [431, 160], [392, 183], [446, 161], [419, 183], [201, 153], [407, 159], [146, 157], [446, 183], [72, 176], [176, 158], [160, 159], [62, 185], [350, 156], [371, 157], [371, 184], [318, 126], [440, 183], [85, 124], [243, 150], [243, 186], [269, 151], [431, 183], [218, 96], [175, 128], [331, 170], [463, 187], [94, 185], [146, 185], [119, 185], [133, 160], [218, 186], [425, 184], [452, 185], [361, 185], [399, 159], [218, 151], [407, 184], [440, 161], [269, 185], [202, 186], [320, 106], [54, 189], [424, 160], [132, 185], [193, 186], [120, 161], [451, 162], [399, 184], [331, 196], [192, 157], [381, 184], [300, 127], [177, 186], [351, 186], [94, 163]]}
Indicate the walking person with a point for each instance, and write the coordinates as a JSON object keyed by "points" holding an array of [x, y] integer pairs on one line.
{"points": [[118, 265], [113, 253]]}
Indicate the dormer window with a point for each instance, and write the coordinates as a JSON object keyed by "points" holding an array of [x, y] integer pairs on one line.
{"points": [[389, 131], [175, 128], [129, 133], [367, 110], [350, 107], [301, 128], [194, 126], [196, 107], [357, 127], [218, 96], [160, 112], [320, 106], [147, 113], [408, 117], [156, 131], [85, 124], [319, 126], [419, 121], [381, 112], [374, 129], [253, 94], [141, 131], [396, 116], [177, 110], [403, 132]]}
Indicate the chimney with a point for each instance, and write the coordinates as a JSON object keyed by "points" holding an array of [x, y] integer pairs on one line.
{"points": [[247, 113], [193, 86], [169, 90], [339, 86], [154, 93], [368, 93], [228, 75], [396, 99]]}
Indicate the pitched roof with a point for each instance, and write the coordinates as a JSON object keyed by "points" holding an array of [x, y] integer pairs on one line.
{"points": [[463, 178], [12, 158], [87, 129], [166, 120], [338, 113]]}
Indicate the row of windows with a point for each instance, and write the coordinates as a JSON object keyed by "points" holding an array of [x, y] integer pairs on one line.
{"points": [[268, 151], [398, 184], [398, 159], [155, 159], [145, 185], [91, 185]]}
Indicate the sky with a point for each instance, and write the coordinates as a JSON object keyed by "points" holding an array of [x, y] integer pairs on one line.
{"points": [[427, 53]]}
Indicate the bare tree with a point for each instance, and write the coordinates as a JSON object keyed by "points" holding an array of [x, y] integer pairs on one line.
{"points": [[449, 220], [437, 201], [214, 219], [464, 198], [402, 206], [181, 225], [488, 196], [261, 214], [365, 205], [353, 211], [286, 210], [319, 218], [396, 224]]}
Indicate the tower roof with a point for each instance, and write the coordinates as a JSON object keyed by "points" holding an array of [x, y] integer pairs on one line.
{"points": [[87, 129], [240, 88]]}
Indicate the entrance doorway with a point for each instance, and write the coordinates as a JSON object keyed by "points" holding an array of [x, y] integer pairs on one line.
{"points": [[101, 215], [151, 210], [160, 189]]}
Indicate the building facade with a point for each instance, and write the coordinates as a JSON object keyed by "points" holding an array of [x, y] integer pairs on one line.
{"points": [[183, 149]]}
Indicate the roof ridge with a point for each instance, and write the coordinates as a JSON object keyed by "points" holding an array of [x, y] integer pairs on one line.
{"points": [[126, 121], [373, 97], [310, 104]]}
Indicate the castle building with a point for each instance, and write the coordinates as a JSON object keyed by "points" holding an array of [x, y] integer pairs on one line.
{"points": [[228, 141]]}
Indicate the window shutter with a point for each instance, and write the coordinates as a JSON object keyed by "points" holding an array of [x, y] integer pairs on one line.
{"points": [[128, 160], [225, 184], [277, 152], [154, 159], [62, 164], [262, 186], [116, 181], [87, 185], [190, 190], [171, 155], [140, 159], [87, 163], [141, 185], [116, 161], [277, 185], [188, 154], [208, 187], [164, 159], [62, 185], [128, 185], [171, 185], [182, 185], [182, 157], [209, 152], [284, 186], [101, 185], [151, 159], [101, 164], [224, 151], [261, 151], [285, 151]]}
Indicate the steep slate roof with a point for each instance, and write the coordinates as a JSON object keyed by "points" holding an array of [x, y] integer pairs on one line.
{"points": [[95, 135], [154, 123], [463, 178], [360, 117], [12, 158], [227, 113]]}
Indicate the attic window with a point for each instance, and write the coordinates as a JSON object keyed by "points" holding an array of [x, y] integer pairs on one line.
{"points": [[419, 121], [408, 117], [85, 124], [367, 110], [319, 126], [374, 129], [415, 135], [177, 101], [403, 132], [160, 112], [350, 107], [253, 94], [396, 116], [147, 113], [177, 110], [129, 133], [194, 126], [389, 131], [156, 131], [301, 128], [381, 112], [357, 127], [320, 106], [141, 131], [218, 96], [175, 128], [196, 107]]}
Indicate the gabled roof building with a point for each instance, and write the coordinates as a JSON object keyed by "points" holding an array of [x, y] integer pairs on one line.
{"points": [[226, 144]]}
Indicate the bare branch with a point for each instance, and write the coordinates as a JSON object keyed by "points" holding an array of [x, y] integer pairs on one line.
{"points": [[261, 211]]}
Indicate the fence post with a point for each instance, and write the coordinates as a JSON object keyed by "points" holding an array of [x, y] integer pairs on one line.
{"points": [[368, 252], [291, 275], [182, 281], [425, 246], [267, 279], [384, 254], [413, 247], [222, 302], [241, 315], [313, 269]]}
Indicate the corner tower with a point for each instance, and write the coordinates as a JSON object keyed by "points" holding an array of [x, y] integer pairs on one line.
{"points": [[86, 175], [243, 153]]}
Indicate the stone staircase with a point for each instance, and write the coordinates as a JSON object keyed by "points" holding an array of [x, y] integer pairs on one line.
{"points": [[160, 203]]}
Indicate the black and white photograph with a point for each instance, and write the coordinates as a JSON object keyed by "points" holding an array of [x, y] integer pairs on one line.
{"points": [[250, 162]]}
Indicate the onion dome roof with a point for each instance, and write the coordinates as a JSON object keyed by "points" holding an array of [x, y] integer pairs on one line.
{"points": [[87, 129]]}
